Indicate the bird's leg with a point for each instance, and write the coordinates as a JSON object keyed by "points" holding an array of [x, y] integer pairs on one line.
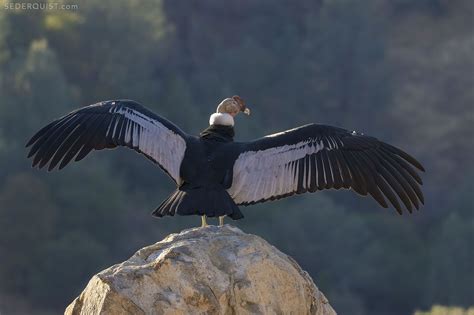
{"points": [[203, 221], [221, 220]]}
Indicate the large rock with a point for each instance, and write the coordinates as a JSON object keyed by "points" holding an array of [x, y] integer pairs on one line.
{"points": [[212, 270]]}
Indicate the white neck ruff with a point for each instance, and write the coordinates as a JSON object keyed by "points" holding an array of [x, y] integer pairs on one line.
{"points": [[221, 119]]}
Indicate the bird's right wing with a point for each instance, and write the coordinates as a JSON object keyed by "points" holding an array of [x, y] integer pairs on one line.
{"points": [[316, 157], [107, 125]]}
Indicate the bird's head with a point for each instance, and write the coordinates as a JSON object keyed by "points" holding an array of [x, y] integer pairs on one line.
{"points": [[227, 110], [233, 106]]}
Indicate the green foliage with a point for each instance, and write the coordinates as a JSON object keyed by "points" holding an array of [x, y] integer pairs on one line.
{"points": [[398, 70], [444, 310], [35, 85]]}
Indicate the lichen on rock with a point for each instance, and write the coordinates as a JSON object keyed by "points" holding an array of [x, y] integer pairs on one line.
{"points": [[211, 270]]}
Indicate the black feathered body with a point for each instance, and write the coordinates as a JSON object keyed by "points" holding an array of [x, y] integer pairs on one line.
{"points": [[206, 173]]}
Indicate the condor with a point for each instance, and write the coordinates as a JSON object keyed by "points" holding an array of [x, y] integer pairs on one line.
{"points": [[214, 175]]}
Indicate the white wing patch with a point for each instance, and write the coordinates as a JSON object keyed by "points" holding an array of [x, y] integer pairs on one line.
{"points": [[272, 172], [152, 138]]}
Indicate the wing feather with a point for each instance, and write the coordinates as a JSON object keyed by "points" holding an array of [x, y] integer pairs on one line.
{"points": [[410, 179], [372, 179], [336, 171], [359, 173], [107, 125], [316, 157]]}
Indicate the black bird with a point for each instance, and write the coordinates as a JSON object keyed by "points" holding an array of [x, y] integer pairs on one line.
{"points": [[214, 175]]}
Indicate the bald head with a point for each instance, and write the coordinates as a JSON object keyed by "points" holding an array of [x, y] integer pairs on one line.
{"points": [[233, 106], [227, 110]]}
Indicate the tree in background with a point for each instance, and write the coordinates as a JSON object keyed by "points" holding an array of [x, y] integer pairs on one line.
{"points": [[443, 310]]}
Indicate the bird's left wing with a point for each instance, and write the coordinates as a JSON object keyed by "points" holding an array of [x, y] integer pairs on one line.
{"points": [[316, 157], [106, 125]]}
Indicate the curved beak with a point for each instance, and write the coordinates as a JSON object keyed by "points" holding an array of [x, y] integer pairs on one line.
{"points": [[247, 111]]}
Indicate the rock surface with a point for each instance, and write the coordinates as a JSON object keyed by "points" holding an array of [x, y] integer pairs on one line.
{"points": [[211, 270]]}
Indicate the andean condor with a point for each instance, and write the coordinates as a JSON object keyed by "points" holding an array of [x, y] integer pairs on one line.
{"points": [[214, 175]]}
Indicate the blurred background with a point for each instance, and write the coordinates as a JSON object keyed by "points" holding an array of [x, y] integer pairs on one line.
{"points": [[400, 70]]}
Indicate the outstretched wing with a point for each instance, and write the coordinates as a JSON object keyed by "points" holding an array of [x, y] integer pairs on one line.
{"points": [[107, 125], [316, 157]]}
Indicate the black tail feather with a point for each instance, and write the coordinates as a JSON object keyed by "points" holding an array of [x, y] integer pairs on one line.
{"points": [[211, 202]]}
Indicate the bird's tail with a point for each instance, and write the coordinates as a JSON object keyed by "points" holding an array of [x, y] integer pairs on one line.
{"points": [[211, 202]]}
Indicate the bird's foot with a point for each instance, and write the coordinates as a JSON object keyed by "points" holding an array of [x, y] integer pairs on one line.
{"points": [[221, 220], [203, 221]]}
